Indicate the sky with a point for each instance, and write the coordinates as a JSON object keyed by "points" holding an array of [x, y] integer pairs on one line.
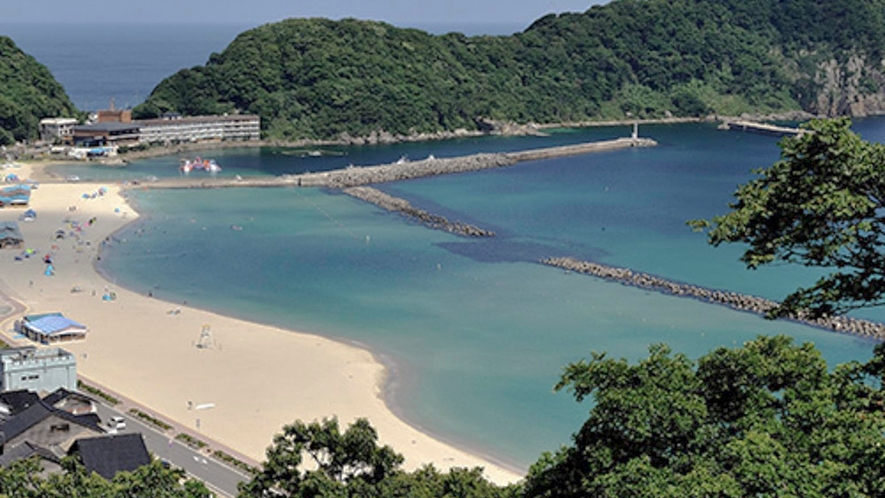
{"points": [[399, 12]]}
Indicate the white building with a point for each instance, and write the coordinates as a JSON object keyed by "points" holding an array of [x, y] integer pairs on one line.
{"points": [[56, 129], [37, 369], [199, 128]]}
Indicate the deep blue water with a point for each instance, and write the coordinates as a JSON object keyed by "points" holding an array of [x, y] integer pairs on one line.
{"points": [[478, 331]]}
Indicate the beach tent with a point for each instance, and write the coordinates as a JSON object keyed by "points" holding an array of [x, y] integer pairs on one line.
{"points": [[50, 271], [29, 215], [11, 178]]}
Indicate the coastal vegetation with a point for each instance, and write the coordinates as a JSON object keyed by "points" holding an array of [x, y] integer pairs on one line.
{"points": [[150, 419], [28, 93], [768, 418], [107, 398], [820, 206], [318, 78], [22, 479]]}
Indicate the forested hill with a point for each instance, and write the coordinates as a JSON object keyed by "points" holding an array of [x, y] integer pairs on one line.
{"points": [[631, 58], [28, 93]]}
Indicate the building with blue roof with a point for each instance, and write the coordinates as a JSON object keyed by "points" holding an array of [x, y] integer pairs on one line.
{"points": [[16, 195], [50, 328]]}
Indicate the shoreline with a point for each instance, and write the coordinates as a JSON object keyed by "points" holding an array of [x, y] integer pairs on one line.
{"points": [[158, 367], [506, 129], [393, 369]]}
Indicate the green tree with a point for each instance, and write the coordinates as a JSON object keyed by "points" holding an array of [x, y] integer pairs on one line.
{"points": [[339, 458], [351, 464], [821, 206], [316, 78], [28, 93], [765, 419], [22, 479]]}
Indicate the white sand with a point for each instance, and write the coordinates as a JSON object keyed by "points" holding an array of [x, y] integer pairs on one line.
{"points": [[259, 378]]}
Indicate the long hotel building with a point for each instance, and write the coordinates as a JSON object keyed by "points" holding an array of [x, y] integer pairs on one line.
{"points": [[199, 128]]}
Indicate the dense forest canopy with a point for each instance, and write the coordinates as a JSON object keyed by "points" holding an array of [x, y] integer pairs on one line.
{"points": [[319, 78], [28, 93]]}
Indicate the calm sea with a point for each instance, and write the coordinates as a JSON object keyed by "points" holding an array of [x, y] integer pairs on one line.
{"points": [[475, 330]]}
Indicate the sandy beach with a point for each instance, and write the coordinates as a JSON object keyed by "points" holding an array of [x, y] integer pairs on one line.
{"points": [[258, 378]]}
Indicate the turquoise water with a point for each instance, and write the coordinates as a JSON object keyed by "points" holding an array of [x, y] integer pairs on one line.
{"points": [[476, 331]]}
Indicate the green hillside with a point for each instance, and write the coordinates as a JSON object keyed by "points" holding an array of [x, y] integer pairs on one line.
{"points": [[318, 78], [28, 93]]}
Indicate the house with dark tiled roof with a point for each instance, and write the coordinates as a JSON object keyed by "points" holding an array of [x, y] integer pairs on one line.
{"points": [[47, 427], [50, 462], [70, 401], [14, 402], [108, 455]]}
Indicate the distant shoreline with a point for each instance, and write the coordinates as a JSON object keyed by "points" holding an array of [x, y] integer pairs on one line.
{"points": [[507, 130]]}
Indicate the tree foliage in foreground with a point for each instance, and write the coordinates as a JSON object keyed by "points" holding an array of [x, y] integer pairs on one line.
{"points": [[28, 93], [351, 464], [22, 479], [765, 419], [822, 205]]}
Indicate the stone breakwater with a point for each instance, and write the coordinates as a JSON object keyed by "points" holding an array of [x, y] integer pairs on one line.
{"points": [[395, 204], [401, 170], [352, 177], [734, 300]]}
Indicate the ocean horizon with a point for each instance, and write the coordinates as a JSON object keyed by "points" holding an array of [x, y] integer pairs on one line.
{"points": [[98, 62]]}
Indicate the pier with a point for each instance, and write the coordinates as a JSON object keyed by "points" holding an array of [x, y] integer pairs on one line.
{"points": [[367, 175], [764, 128], [733, 300]]}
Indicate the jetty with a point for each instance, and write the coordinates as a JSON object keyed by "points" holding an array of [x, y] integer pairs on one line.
{"points": [[764, 128], [733, 300], [353, 176], [404, 207]]}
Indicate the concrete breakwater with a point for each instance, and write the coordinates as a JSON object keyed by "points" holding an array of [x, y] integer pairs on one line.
{"points": [[352, 177], [401, 170], [734, 300], [395, 204]]}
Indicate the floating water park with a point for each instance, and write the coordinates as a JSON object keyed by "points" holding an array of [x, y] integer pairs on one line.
{"points": [[199, 164]]}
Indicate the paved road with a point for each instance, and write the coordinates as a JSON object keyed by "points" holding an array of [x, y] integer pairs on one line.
{"points": [[218, 477]]}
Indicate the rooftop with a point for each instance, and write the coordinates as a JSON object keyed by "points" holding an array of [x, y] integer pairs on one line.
{"points": [[106, 127], [195, 119], [108, 455], [49, 325]]}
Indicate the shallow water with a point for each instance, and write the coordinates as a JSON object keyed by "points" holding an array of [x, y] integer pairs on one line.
{"points": [[478, 331]]}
